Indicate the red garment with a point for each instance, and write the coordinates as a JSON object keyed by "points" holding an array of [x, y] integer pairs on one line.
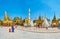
{"points": [[9, 29]]}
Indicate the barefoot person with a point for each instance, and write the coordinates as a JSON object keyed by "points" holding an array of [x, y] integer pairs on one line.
{"points": [[12, 28], [46, 28], [9, 29]]}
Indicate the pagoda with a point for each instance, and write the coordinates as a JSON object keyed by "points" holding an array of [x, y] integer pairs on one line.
{"points": [[45, 23], [54, 22], [39, 22], [7, 21]]}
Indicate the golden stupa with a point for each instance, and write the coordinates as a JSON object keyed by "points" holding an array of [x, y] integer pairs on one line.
{"points": [[27, 21], [7, 21], [39, 22], [54, 22]]}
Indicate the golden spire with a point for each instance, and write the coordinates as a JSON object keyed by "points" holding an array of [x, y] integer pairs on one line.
{"points": [[54, 17], [5, 16], [45, 16], [39, 18]]}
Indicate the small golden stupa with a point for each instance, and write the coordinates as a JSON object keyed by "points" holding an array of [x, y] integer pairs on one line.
{"points": [[54, 22], [27, 21], [39, 22]]}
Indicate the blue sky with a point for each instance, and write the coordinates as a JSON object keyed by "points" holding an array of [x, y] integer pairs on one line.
{"points": [[38, 7]]}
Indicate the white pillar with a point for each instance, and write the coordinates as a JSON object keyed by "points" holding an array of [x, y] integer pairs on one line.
{"points": [[29, 15]]}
